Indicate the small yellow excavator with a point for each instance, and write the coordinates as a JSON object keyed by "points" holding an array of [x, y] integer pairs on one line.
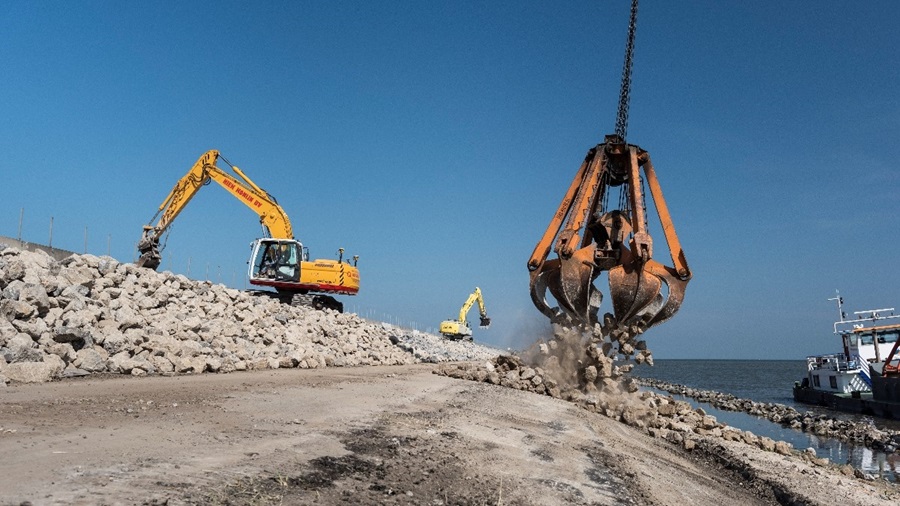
{"points": [[593, 232], [459, 329], [277, 260]]}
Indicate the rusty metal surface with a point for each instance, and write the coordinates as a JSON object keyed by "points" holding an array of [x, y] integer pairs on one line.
{"points": [[592, 237]]}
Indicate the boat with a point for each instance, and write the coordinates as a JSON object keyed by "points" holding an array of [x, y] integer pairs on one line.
{"points": [[864, 377]]}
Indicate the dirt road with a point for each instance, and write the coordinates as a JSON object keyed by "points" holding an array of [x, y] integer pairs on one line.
{"points": [[375, 435]]}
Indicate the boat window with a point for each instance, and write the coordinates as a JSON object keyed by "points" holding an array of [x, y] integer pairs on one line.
{"points": [[833, 381], [866, 339], [888, 337], [816, 381]]}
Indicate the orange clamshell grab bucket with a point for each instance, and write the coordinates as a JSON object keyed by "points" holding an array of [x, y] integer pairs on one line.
{"points": [[644, 292]]}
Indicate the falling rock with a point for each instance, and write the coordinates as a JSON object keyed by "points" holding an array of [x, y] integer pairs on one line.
{"points": [[590, 374]]}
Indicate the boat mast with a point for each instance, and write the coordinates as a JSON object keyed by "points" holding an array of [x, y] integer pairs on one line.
{"points": [[840, 305]]}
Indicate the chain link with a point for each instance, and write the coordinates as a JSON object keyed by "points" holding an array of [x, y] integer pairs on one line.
{"points": [[625, 91]]}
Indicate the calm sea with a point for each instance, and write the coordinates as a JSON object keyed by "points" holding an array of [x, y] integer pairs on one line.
{"points": [[758, 380], [772, 381]]}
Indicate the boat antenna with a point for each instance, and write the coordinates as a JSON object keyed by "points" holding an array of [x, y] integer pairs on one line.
{"points": [[840, 305]]}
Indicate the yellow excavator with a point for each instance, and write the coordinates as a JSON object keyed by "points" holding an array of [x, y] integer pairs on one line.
{"points": [[459, 329], [277, 260], [594, 231]]}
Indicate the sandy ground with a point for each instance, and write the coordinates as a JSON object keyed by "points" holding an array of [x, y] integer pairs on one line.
{"points": [[376, 435]]}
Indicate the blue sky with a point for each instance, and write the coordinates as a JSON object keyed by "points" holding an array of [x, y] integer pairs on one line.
{"points": [[435, 140]]}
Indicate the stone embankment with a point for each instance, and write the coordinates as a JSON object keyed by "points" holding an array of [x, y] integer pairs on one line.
{"points": [[595, 384], [87, 314], [819, 424]]}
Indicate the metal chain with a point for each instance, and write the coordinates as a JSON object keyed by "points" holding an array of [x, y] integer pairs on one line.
{"points": [[625, 91]]}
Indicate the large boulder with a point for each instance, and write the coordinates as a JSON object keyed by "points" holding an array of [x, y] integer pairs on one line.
{"points": [[22, 348], [33, 372]]}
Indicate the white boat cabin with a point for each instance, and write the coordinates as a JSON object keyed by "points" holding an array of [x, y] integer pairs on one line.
{"points": [[868, 339]]}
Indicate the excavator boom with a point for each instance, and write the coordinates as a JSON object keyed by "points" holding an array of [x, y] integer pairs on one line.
{"points": [[272, 217]]}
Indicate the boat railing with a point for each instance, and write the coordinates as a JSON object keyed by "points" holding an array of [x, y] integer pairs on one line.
{"points": [[883, 316], [838, 362]]}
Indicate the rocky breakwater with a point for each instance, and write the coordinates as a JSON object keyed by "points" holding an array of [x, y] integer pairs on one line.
{"points": [[861, 432], [614, 396], [590, 370], [87, 314]]}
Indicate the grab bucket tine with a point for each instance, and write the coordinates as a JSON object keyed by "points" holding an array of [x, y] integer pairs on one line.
{"points": [[676, 286], [540, 279], [632, 289], [575, 292]]}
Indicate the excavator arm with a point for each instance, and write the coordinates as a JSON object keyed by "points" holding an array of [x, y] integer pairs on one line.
{"points": [[272, 217], [464, 311]]}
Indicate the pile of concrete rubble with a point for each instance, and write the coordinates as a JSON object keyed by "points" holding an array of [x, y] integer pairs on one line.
{"points": [[87, 314]]}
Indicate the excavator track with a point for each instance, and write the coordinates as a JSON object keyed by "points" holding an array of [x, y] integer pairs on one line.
{"points": [[315, 301]]}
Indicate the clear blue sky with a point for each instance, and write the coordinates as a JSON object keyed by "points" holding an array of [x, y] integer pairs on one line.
{"points": [[435, 140]]}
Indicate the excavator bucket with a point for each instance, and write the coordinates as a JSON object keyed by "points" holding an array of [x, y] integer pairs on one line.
{"points": [[644, 292], [541, 279], [148, 247], [485, 322], [574, 289], [631, 287], [676, 287]]}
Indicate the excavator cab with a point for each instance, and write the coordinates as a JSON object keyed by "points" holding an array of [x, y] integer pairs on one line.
{"points": [[275, 261], [284, 264]]}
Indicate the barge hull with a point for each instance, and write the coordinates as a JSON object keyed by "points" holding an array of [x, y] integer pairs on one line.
{"points": [[864, 404]]}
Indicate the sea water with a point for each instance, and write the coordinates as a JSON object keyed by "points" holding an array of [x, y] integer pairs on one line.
{"points": [[772, 381]]}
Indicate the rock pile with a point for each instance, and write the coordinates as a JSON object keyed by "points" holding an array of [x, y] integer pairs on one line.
{"points": [[87, 314], [820, 425], [569, 367], [620, 399], [591, 368]]}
